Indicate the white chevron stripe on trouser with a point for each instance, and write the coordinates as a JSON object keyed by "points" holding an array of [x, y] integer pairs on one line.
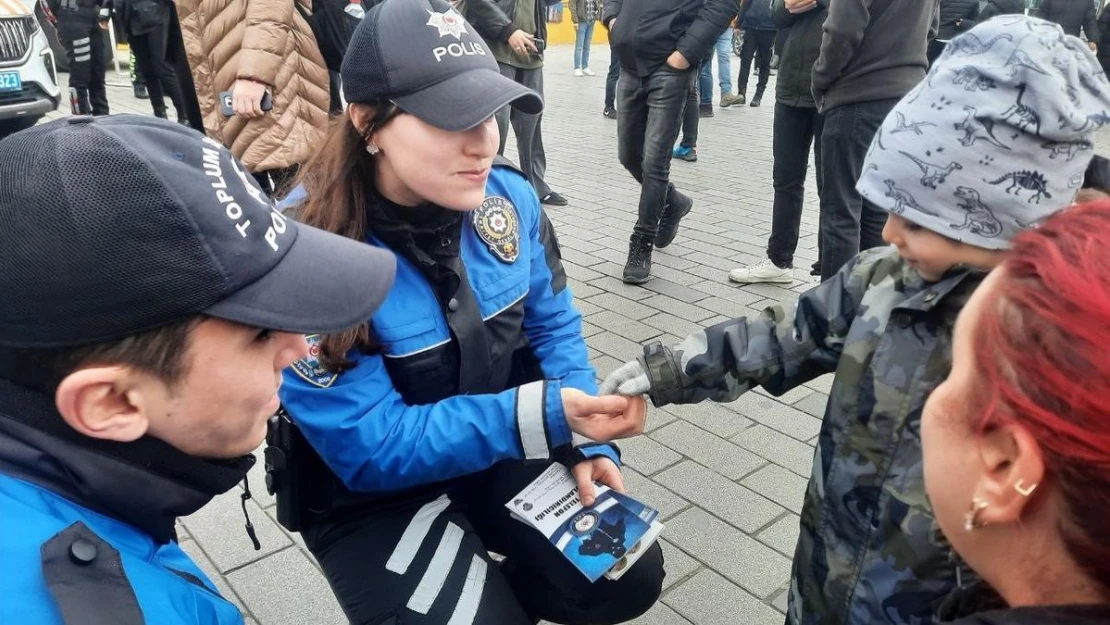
{"points": [[415, 534], [467, 607], [436, 574]]}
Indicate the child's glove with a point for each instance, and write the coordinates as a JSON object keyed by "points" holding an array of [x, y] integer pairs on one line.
{"points": [[629, 379]]}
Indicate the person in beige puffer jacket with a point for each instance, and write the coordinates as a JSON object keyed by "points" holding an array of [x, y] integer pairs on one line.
{"points": [[248, 47]]}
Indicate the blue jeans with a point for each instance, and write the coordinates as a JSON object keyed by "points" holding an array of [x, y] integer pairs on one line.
{"points": [[582, 38], [723, 47]]}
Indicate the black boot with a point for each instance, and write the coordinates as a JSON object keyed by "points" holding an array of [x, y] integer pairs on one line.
{"points": [[673, 213], [757, 100], [638, 268], [140, 91]]}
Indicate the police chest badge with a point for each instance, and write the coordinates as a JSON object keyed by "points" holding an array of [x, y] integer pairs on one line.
{"points": [[496, 223], [310, 369]]}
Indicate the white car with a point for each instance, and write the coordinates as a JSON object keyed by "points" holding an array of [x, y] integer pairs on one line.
{"points": [[28, 76]]}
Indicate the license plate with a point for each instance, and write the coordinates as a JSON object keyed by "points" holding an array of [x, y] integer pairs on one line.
{"points": [[10, 81]]}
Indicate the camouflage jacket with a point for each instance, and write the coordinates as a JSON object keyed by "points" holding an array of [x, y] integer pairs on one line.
{"points": [[869, 550]]}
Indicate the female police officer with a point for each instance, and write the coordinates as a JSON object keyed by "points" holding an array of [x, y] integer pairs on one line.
{"points": [[426, 417]]}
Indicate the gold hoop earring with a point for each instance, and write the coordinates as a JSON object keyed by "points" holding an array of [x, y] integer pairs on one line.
{"points": [[372, 149], [1024, 490], [971, 519]]}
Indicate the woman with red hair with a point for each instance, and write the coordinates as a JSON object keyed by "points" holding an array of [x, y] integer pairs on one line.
{"points": [[1017, 439]]}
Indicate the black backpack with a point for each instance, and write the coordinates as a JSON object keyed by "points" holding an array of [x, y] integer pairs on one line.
{"points": [[333, 27]]}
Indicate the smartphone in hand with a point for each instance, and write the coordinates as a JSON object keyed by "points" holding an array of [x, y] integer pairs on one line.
{"points": [[228, 110]]}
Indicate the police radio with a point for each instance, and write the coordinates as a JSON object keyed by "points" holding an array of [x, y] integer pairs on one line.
{"points": [[295, 474]]}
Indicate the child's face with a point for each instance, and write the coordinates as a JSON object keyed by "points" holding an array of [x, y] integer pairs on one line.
{"points": [[931, 254]]}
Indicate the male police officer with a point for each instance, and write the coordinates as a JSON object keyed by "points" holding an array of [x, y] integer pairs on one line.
{"points": [[80, 31], [142, 338]]}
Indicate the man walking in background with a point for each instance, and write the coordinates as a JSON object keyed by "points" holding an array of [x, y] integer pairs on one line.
{"points": [[659, 43], [1072, 16], [797, 126], [872, 54], [516, 31], [759, 42]]}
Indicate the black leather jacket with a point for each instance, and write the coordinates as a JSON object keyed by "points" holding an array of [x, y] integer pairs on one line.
{"points": [[494, 18], [799, 53]]}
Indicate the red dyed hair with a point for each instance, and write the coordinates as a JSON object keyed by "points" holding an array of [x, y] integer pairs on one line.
{"points": [[1042, 349]]}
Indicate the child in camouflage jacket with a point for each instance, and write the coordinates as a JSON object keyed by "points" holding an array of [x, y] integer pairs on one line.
{"points": [[995, 139]]}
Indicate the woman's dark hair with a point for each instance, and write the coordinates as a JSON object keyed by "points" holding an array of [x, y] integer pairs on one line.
{"points": [[338, 180]]}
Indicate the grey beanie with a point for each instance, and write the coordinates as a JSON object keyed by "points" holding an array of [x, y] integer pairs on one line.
{"points": [[996, 138]]}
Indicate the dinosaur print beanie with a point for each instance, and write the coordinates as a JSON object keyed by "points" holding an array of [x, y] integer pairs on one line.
{"points": [[996, 138]]}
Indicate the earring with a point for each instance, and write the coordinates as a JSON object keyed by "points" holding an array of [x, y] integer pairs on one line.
{"points": [[971, 519], [1024, 490], [372, 148]]}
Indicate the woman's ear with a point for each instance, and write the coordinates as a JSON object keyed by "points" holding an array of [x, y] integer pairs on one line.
{"points": [[103, 402], [361, 116], [1014, 469]]}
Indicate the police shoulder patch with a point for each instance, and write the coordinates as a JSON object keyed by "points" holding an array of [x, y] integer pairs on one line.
{"points": [[498, 225], [310, 369]]}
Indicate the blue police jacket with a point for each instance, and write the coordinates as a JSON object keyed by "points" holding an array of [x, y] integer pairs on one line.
{"points": [[449, 392], [87, 527]]}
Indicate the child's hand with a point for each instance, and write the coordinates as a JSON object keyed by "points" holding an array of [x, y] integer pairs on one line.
{"points": [[629, 379]]}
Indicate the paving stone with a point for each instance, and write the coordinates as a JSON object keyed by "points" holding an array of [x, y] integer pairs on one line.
{"points": [[779, 485], [677, 291], [604, 365], [822, 384], [579, 272], [295, 537], [792, 396], [219, 528], [584, 290], [197, 554], [781, 602], [627, 307], [589, 329], [745, 561], [660, 614], [621, 325], [709, 599], [712, 417], [586, 308], [657, 418], [711, 451], [616, 346], [814, 404], [677, 563], [675, 307], [646, 456], [286, 588], [650, 492], [616, 287], [724, 498], [672, 324], [777, 416], [778, 448], [782, 536]]}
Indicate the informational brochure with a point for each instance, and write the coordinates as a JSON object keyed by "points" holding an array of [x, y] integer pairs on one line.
{"points": [[604, 539]]}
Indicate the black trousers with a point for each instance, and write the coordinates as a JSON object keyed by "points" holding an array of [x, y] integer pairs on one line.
{"points": [[758, 44], [527, 128], [649, 116], [849, 224], [611, 79], [795, 130], [84, 44], [424, 561], [691, 115], [161, 80], [176, 51]]}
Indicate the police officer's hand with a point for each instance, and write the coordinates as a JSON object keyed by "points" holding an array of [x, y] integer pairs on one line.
{"points": [[602, 419], [599, 469], [629, 379], [246, 98], [800, 6]]}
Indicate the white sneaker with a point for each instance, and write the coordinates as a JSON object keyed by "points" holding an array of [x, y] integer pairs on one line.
{"points": [[578, 72], [589, 72], [765, 271]]}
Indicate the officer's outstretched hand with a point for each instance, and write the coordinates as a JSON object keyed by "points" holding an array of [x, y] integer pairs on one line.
{"points": [[629, 379], [599, 469], [603, 419]]}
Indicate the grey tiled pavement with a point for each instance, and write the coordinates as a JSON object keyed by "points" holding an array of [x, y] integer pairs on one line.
{"points": [[728, 479]]}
